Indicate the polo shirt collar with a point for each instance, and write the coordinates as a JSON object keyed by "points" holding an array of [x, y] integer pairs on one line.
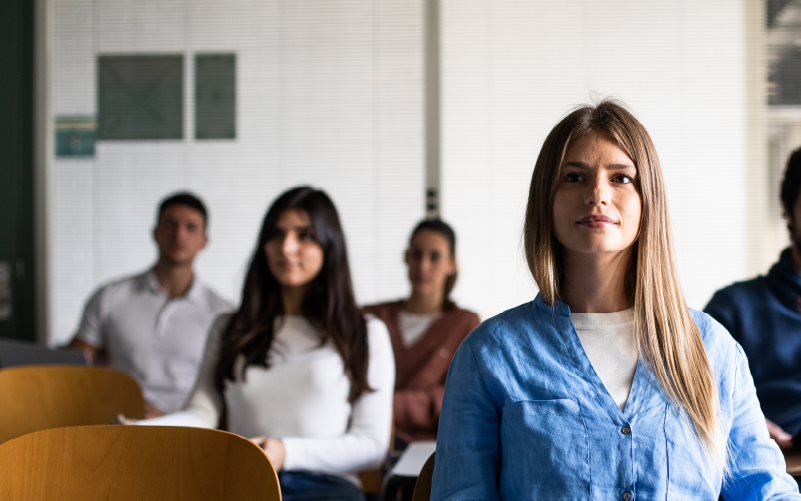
{"points": [[195, 293]]}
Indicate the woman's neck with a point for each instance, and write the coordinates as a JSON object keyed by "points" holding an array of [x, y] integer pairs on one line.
{"points": [[293, 300], [596, 284], [423, 304]]}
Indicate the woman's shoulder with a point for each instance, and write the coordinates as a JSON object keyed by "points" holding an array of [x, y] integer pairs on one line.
{"points": [[377, 331], [509, 327], [720, 345], [456, 312], [381, 310]]}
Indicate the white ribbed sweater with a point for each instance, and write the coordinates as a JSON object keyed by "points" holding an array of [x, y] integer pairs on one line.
{"points": [[302, 399]]}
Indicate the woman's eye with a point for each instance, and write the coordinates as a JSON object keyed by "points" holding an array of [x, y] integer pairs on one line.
{"points": [[306, 235], [623, 179], [573, 177]]}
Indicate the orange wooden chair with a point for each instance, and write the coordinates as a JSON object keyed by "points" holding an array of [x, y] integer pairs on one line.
{"points": [[41, 397], [132, 463]]}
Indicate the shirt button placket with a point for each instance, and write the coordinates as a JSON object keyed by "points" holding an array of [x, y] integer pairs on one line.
{"points": [[626, 431]]}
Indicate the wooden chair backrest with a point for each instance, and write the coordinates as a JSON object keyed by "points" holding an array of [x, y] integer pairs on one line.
{"points": [[422, 488], [40, 397], [132, 463]]}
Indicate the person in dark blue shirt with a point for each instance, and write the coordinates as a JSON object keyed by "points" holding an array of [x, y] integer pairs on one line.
{"points": [[764, 316]]}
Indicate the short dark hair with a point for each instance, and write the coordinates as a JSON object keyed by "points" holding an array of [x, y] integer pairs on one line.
{"points": [[187, 199], [791, 185]]}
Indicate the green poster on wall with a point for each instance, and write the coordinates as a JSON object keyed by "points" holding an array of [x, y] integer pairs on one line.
{"points": [[75, 137]]}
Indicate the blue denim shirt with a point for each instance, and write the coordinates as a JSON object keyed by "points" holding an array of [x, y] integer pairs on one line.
{"points": [[526, 417]]}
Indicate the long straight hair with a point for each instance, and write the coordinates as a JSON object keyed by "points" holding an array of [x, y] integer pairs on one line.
{"points": [[667, 337], [328, 303]]}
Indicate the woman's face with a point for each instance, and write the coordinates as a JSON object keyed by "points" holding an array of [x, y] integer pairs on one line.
{"points": [[430, 263], [597, 204], [293, 254]]}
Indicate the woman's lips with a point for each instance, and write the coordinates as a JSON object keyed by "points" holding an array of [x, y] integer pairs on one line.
{"points": [[596, 221]]}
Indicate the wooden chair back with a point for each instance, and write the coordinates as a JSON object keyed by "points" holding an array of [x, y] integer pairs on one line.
{"points": [[132, 463], [422, 488], [41, 397]]}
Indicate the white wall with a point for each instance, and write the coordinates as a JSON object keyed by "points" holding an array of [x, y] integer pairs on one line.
{"points": [[328, 94], [512, 69], [331, 93]]}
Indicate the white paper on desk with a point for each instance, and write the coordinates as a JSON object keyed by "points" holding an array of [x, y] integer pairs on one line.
{"points": [[180, 418], [413, 459]]}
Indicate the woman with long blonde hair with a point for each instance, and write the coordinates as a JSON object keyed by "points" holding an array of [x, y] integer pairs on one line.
{"points": [[606, 386]]}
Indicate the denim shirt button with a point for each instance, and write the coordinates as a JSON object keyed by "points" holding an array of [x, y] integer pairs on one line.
{"points": [[626, 431], [627, 496]]}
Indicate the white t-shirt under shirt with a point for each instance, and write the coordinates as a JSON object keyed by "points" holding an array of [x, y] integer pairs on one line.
{"points": [[414, 325], [608, 341], [302, 399], [157, 340]]}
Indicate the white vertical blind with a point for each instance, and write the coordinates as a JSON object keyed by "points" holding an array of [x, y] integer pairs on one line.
{"points": [[331, 94], [512, 69], [328, 94]]}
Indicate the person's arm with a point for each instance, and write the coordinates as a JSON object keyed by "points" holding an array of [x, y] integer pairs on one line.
{"points": [[89, 338], [90, 352], [758, 469], [468, 442], [366, 443], [420, 409], [203, 408]]}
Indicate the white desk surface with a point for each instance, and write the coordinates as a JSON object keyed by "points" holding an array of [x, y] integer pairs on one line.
{"points": [[413, 459]]}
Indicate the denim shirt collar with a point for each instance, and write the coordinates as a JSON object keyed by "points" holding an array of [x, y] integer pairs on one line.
{"points": [[559, 309]]}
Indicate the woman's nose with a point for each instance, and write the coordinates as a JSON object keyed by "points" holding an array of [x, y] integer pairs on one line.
{"points": [[598, 193], [290, 243]]}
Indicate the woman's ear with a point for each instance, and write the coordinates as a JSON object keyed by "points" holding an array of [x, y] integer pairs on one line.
{"points": [[454, 267]]}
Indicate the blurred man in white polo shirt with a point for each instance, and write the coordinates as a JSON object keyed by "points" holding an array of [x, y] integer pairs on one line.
{"points": [[154, 325]]}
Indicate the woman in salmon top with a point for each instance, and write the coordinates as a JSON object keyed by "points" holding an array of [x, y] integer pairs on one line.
{"points": [[425, 329]]}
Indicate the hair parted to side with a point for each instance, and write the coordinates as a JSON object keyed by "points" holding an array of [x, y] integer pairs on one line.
{"points": [[668, 338], [442, 228], [329, 303]]}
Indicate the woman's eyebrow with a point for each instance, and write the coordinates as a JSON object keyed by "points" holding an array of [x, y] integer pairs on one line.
{"points": [[299, 227], [621, 166], [586, 166]]}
